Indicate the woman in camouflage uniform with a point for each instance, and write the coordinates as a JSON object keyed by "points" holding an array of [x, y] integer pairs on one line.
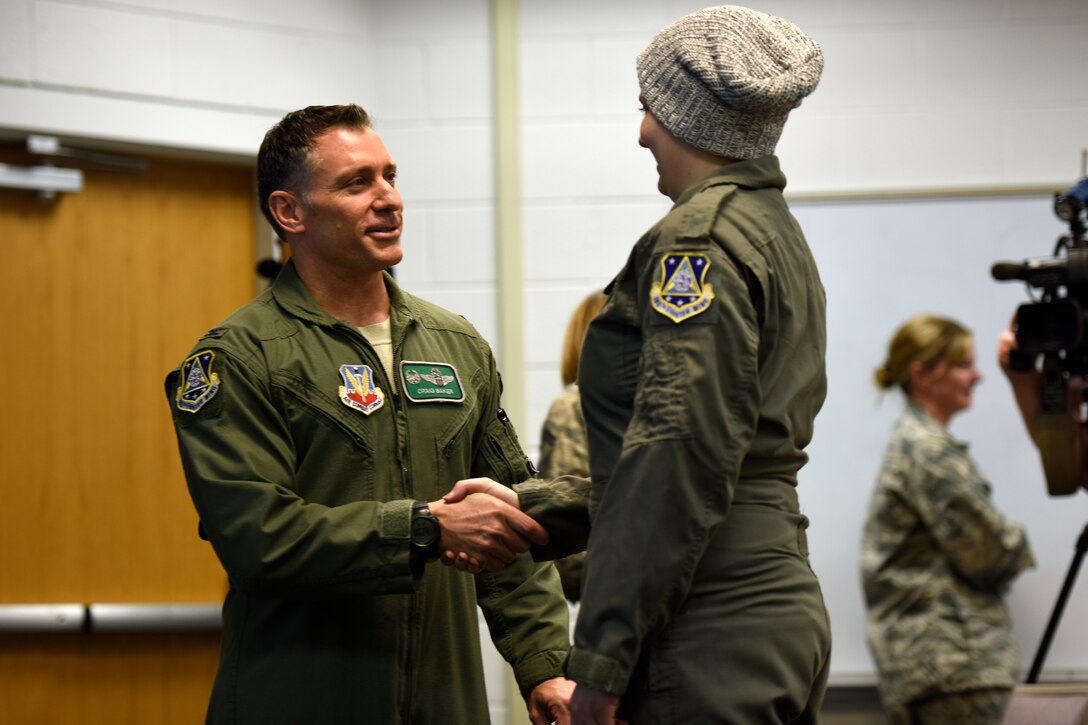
{"points": [[937, 557]]}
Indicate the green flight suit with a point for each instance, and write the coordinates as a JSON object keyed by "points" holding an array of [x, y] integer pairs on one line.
{"points": [[303, 466], [700, 380]]}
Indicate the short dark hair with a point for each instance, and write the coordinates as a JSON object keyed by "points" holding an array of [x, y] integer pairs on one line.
{"points": [[283, 161]]}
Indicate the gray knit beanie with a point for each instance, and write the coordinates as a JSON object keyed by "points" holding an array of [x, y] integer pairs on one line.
{"points": [[724, 79]]}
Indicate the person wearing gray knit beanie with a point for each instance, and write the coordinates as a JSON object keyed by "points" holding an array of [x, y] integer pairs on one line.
{"points": [[700, 380], [724, 79]]}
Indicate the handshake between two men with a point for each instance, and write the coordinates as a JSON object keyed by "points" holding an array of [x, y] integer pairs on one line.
{"points": [[483, 527]]}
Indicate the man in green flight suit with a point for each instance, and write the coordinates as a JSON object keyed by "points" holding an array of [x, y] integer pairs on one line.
{"points": [[318, 427]]}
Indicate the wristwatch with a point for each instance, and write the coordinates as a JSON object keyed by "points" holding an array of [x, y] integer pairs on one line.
{"points": [[426, 533]]}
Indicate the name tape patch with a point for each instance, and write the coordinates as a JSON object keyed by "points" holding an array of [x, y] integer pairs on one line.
{"points": [[431, 382]]}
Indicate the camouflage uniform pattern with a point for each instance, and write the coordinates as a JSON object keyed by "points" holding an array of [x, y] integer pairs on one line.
{"points": [[564, 451], [936, 560]]}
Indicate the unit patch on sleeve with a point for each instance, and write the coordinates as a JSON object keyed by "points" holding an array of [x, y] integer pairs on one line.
{"points": [[198, 383], [682, 292], [431, 382], [359, 391]]}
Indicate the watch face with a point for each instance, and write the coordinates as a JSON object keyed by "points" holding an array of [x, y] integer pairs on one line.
{"points": [[424, 531]]}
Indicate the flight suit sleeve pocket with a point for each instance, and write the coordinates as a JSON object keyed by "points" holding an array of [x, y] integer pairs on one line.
{"points": [[502, 453]]}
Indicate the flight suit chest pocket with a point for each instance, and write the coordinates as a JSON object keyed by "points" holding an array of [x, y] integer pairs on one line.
{"points": [[335, 447]]}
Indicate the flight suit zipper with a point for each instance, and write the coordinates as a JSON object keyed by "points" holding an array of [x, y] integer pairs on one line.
{"points": [[509, 426]]}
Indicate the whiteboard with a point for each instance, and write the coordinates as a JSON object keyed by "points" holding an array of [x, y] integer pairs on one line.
{"points": [[882, 262]]}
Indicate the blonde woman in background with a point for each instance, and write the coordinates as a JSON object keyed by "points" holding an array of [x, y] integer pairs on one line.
{"points": [[937, 557], [563, 448]]}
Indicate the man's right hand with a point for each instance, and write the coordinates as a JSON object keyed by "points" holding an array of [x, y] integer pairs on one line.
{"points": [[482, 532]]}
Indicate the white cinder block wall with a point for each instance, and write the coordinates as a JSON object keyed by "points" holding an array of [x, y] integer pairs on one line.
{"points": [[916, 95]]}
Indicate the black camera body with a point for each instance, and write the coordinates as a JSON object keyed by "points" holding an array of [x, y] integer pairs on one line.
{"points": [[1054, 327]]}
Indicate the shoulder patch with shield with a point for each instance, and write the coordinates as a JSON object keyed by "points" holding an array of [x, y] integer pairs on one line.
{"points": [[198, 383], [682, 291]]}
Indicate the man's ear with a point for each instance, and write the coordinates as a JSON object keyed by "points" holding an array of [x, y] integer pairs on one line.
{"points": [[288, 211]]}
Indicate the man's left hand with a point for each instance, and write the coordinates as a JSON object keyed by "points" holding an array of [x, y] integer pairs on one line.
{"points": [[549, 702]]}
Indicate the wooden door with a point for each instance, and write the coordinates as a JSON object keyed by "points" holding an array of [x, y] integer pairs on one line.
{"points": [[102, 292]]}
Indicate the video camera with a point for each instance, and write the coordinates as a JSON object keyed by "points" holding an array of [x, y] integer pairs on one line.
{"points": [[1055, 328]]}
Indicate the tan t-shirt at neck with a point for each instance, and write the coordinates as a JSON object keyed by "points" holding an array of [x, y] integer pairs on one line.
{"points": [[380, 337]]}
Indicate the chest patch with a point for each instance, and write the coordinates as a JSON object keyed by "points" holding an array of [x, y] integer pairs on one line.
{"points": [[431, 382], [198, 383], [682, 291], [359, 391]]}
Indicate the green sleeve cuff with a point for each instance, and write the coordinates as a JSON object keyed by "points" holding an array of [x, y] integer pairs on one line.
{"points": [[562, 507], [539, 667], [396, 521], [599, 672], [406, 574]]}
